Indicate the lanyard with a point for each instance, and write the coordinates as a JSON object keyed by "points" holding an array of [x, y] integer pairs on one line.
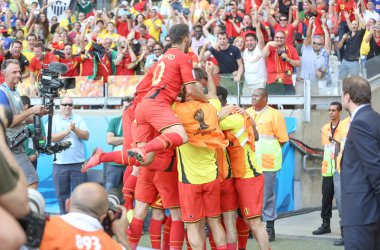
{"points": [[333, 129]]}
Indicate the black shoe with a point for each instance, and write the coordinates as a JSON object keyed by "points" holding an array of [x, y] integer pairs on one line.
{"points": [[271, 234], [322, 230], [339, 242]]}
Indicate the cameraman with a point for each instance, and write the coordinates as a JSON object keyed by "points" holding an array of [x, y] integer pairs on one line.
{"points": [[13, 193], [10, 98], [281, 59], [81, 227]]}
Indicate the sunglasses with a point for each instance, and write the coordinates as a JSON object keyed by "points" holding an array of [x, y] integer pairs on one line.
{"points": [[156, 49], [67, 104], [319, 44]]}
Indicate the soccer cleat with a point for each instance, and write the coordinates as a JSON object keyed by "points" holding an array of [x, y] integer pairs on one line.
{"points": [[93, 160], [138, 153]]}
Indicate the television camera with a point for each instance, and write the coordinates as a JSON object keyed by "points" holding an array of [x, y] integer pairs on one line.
{"points": [[50, 85]]}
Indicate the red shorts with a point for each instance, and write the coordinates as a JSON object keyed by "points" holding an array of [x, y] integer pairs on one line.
{"points": [[250, 195], [228, 195], [199, 200], [150, 183], [157, 203], [153, 115]]}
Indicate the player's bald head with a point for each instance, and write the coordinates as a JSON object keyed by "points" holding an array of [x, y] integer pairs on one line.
{"points": [[262, 92], [90, 198]]}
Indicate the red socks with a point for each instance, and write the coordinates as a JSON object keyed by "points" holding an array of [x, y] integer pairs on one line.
{"points": [[177, 235], [119, 157], [166, 238], [129, 191], [231, 246], [224, 247], [134, 231], [163, 141], [243, 232], [211, 240], [155, 233]]}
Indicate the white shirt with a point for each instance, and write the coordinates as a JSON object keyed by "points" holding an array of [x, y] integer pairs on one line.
{"points": [[370, 14], [356, 111], [254, 66]]}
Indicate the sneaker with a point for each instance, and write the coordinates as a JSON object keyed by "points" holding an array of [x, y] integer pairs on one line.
{"points": [[93, 160], [137, 153]]}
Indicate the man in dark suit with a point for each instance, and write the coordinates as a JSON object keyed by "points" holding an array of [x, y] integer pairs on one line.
{"points": [[360, 174]]}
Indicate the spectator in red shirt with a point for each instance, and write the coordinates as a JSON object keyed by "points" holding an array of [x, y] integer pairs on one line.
{"points": [[281, 58], [125, 57], [233, 20], [124, 21], [39, 61], [71, 61], [284, 26], [343, 6]]}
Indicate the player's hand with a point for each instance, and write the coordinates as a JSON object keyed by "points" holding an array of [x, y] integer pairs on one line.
{"points": [[226, 111], [120, 225], [273, 44], [209, 67]]}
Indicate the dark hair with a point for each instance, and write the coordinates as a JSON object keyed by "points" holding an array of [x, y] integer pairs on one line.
{"points": [[31, 35], [220, 91], [223, 33], [263, 92], [99, 21], [178, 32], [126, 99], [358, 88], [21, 30], [16, 41], [337, 104], [200, 74], [25, 100], [251, 35], [143, 26]]}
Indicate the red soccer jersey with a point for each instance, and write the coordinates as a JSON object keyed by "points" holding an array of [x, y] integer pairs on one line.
{"points": [[288, 30], [122, 67], [174, 69], [279, 70], [87, 66], [36, 65], [343, 5], [122, 28], [145, 85], [72, 64]]}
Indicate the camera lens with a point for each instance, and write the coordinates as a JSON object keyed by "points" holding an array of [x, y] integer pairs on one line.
{"points": [[36, 201]]}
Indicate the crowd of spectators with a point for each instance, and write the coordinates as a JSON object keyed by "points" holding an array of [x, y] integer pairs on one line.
{"points": [[258, 43]]}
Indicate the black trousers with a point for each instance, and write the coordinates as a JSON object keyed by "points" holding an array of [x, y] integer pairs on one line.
{"points": [[327, 197]]}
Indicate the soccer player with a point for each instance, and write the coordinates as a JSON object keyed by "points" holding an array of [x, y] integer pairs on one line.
{"points": [[199, 182], [249, 180], [173, 74]]}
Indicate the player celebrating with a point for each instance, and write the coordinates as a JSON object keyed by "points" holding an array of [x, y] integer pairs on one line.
{"points": [[173, 74]]}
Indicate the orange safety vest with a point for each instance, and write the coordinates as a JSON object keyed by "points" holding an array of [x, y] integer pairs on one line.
{"points": [[59, 234], [201, 123], [236, 151]]}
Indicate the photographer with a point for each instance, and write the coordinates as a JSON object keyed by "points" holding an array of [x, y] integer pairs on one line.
{"points": [[10, 98], [13, 193], [280, 59], [82, 226]]}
